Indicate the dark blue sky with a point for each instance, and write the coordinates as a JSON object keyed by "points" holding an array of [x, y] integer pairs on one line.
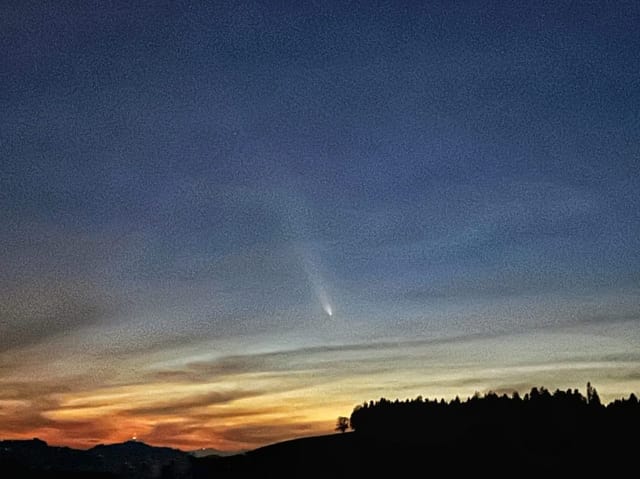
{"points": [[176, 172]]}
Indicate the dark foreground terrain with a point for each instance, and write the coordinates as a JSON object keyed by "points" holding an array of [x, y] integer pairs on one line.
{"points": [[36, 459], [540, 434]]}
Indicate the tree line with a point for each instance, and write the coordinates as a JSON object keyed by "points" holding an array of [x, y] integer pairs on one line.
{"points": [[561, 414]]}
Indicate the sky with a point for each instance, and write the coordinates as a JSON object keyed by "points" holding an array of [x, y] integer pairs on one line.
{"points": [[225, 224]]}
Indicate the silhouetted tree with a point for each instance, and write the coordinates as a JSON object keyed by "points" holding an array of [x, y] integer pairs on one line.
{"points": [[593, 399], [342, 424]]}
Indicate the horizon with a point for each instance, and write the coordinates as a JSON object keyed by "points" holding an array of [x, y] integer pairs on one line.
{"points": [[562, 428], [114, 444], [334, 431], [88, 444], [223, 224]]}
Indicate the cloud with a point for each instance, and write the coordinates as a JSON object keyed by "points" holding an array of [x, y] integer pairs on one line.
{"points": [[52, 280], [31, 315], [288, 365], [24, 415], [184, 434], [612, 317], [190, 404]]}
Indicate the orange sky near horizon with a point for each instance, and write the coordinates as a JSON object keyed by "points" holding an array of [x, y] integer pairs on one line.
{"points": [[190, 397]]}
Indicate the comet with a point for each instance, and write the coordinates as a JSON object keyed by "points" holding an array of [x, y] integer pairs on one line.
{"points": [[295, 216], [310, 264]]}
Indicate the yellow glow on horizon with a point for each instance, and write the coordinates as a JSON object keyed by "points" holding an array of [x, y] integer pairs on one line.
{"points": [[249, 399]]}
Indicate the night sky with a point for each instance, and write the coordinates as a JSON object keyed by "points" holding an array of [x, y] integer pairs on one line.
{"points": [[225, 224]]}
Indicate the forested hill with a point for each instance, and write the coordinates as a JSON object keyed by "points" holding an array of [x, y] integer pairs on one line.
{"points": [[540, 433], [561, 416]]}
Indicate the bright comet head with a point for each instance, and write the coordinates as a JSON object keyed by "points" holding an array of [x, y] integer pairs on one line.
{"points": [[327, 309]]}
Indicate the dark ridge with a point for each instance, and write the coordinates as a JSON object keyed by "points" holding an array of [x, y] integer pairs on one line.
{"points": [[542, 433], [129, 460]]}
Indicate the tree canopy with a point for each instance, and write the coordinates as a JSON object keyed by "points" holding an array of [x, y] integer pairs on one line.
{"points": [[538, 412]]}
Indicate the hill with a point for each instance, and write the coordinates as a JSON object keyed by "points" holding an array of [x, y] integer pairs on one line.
{"points": [[540, 433], [36, 459]]}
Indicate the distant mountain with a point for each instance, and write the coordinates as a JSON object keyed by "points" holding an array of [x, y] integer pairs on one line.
{"points": [[137, 459], [31, 456], [207, 451], [132, 459]]}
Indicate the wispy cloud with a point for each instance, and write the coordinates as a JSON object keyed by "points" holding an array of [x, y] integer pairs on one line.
{"points": [[191, 404], [30, 315]]}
